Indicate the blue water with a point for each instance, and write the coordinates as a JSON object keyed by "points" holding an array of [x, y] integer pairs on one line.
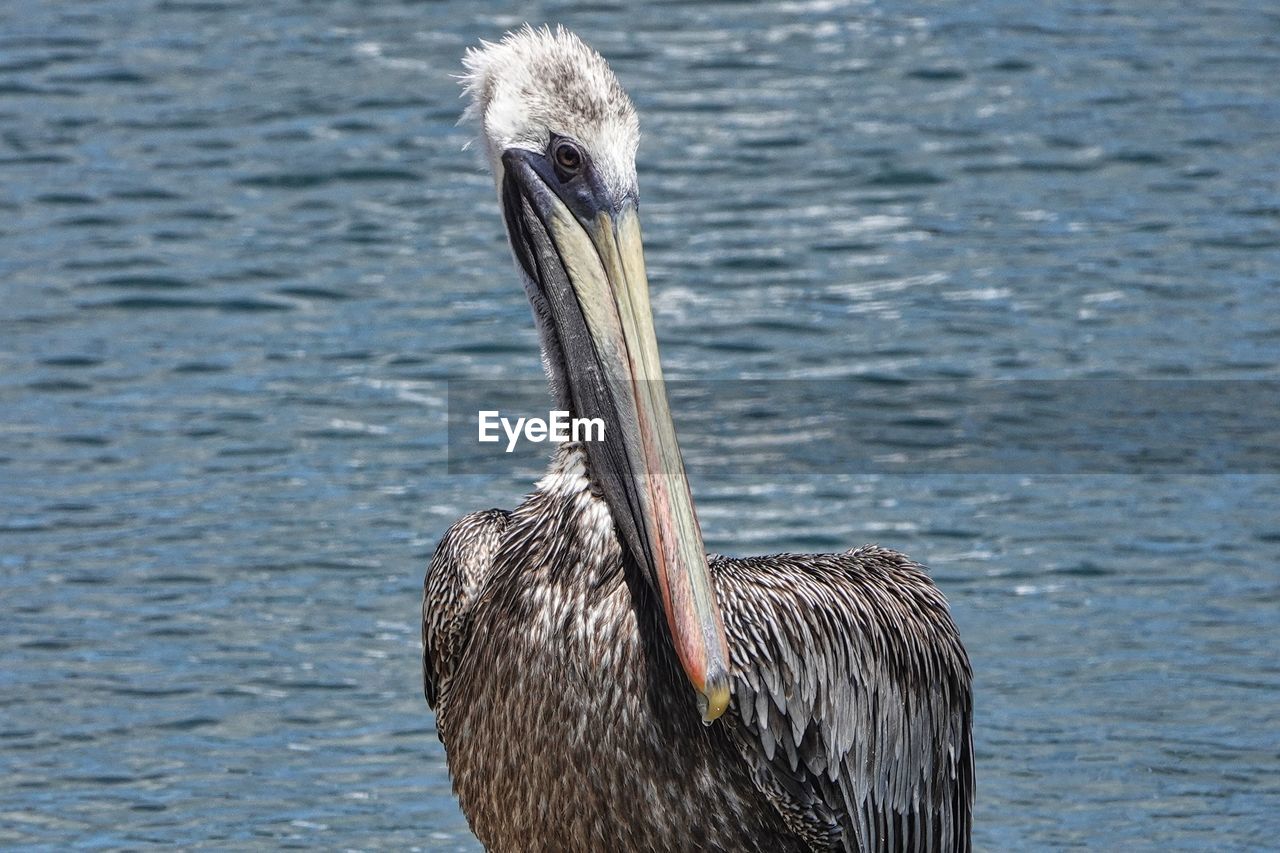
{"points": [[241, 249]]}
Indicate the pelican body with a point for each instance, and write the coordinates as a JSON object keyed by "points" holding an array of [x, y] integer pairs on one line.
{"points": [[599, 681]]}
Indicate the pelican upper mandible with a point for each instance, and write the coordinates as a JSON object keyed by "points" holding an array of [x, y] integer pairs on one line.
{"points": [[599, 682]]}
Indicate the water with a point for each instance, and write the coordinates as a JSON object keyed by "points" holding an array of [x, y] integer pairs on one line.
{"points": [[241, 250]]}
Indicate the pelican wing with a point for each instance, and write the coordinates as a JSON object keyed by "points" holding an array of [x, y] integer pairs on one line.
{"points": [[852, 698], [458, 568]]}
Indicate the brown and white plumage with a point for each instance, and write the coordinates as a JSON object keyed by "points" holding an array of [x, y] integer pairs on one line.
{"points": [[558, 645]]}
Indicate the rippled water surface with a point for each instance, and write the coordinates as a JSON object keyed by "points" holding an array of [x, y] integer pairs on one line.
{"points": [[241, 250]]}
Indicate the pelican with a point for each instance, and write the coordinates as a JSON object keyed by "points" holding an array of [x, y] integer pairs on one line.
{"points": [[599, 682]]}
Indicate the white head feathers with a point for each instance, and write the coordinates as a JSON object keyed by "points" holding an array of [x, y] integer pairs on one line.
{"points": [[536, 82]]}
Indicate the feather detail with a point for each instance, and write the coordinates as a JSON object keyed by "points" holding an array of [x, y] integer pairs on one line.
{"points": [[877, 687]]}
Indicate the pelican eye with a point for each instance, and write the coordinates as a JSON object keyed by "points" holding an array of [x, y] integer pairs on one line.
{"points": [[568, 158]]}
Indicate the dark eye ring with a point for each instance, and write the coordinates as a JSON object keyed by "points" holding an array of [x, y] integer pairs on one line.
{"points": [[568, 157]]}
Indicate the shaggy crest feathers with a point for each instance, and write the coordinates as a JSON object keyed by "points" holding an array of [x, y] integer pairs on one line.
{"points": [[536, 82]]}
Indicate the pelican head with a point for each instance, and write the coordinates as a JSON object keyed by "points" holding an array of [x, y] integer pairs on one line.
{"points": [[561, 137]]}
